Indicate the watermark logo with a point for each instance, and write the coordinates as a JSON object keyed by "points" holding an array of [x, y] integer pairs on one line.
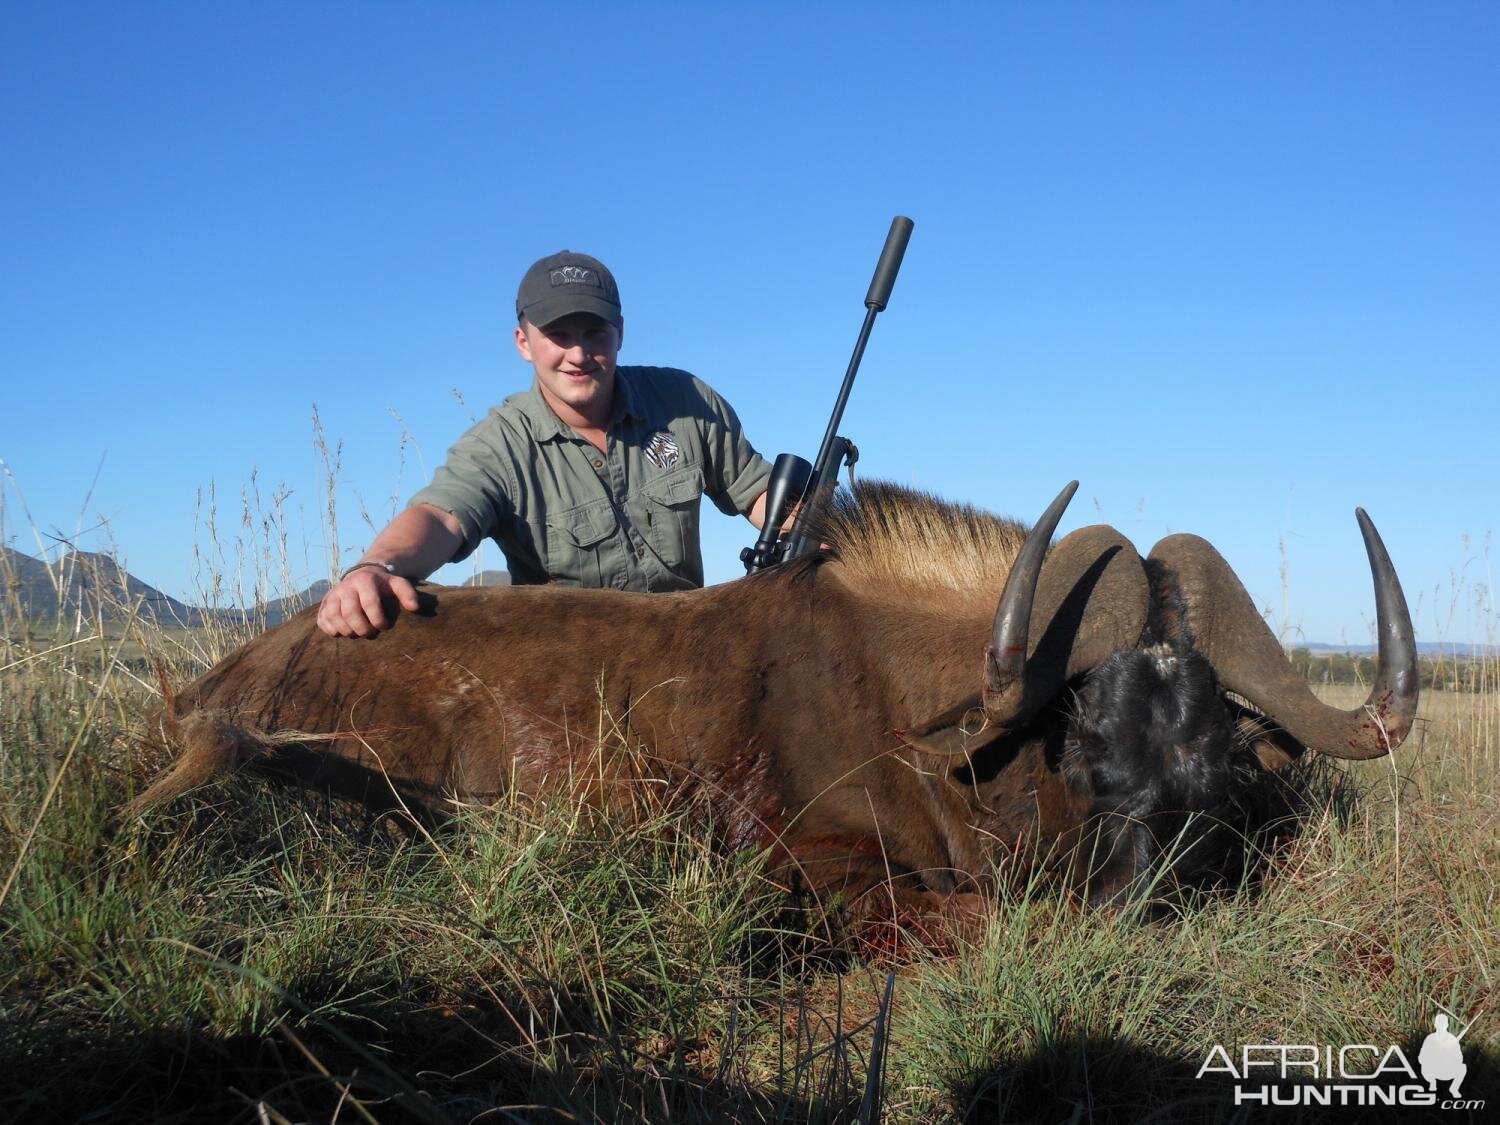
{"points": [[1441, 1058], [1352, 1074]]}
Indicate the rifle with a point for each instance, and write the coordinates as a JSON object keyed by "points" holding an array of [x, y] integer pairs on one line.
{"points": [[793, 480]]}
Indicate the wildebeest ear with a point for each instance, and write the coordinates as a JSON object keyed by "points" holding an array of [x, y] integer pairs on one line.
{"points": [[962, 729], [1273, 747]]}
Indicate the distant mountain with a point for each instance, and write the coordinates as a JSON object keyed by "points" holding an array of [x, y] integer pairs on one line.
{"points": [[94, 584], [89, 584], [24, 579], [489, 578], [280, 609], [1424, 648]]}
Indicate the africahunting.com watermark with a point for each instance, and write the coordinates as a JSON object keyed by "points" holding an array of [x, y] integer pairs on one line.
{"points": [[1348, 1074]]}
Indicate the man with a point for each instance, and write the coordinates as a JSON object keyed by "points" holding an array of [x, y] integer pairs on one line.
{"points": [[591, 478]]}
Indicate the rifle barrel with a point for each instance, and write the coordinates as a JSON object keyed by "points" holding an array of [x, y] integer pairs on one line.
{"points": [[825, 469]]}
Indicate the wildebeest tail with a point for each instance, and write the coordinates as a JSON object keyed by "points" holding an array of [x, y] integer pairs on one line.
{"points": [[207, 745]]}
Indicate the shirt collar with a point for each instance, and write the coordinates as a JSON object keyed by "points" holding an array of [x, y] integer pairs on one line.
{"points": [[627, 401], [547, 426]]}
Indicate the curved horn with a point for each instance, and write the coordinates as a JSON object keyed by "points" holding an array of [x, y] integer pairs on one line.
{"points": [[1222, 623], [1062, 617], [1005, 660], [1056, 618]]}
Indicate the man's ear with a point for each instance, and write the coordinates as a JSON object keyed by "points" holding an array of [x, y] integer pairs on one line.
{"points": [[523, 345], [621, 333]]}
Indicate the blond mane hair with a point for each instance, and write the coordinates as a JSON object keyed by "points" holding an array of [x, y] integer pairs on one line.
{"points": [[884, 534]]}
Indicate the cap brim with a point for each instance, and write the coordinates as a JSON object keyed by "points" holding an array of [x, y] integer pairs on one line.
{"points": [[543, 313]]}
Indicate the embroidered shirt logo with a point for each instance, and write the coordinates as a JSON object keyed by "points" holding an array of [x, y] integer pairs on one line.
{"points": [[662, 449], [575, 275]]}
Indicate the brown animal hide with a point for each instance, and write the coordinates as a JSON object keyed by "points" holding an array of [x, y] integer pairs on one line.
{"points": [[785, 699]]}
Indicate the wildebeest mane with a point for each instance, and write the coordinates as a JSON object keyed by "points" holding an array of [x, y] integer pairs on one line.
{"points": [[884, 533]]}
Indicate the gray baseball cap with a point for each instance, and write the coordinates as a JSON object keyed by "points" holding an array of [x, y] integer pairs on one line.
{"points": [[564, 283]]}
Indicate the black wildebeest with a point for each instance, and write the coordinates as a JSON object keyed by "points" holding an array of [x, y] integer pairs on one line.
{"points": [[869, 714]]}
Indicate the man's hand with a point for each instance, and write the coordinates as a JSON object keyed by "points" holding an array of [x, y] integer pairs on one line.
{"points": [[356, 607], [418, 541], [757, 516]]}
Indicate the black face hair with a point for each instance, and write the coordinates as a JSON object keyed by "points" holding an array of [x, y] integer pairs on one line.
{"points": [[1152, 742]]}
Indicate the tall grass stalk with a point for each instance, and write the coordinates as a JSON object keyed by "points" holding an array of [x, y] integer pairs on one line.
{"points": [[256, 954]]}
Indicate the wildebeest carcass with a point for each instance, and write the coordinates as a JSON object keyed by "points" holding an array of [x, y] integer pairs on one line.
{"points": [[868, 714]]}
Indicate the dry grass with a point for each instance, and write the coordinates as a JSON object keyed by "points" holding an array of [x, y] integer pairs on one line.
{"points": [[255, 955]]}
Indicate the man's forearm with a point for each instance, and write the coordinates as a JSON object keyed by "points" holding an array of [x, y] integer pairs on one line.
{"points": [[417, 541], [757, 514]]}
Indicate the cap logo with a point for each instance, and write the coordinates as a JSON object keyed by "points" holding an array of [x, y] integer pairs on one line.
{"points": [[575, 275]]}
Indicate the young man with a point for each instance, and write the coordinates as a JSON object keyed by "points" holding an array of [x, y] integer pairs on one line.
{"points": [[590, 478]]}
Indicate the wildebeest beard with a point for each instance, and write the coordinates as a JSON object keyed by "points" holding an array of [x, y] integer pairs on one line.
{"points": [[1179, 799]]}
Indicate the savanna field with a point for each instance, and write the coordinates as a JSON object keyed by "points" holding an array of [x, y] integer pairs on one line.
{"points": [[254, 954]]}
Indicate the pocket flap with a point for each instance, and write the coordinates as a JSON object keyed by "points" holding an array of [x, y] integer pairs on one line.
{"points": [[585, 525], [676, 488]]}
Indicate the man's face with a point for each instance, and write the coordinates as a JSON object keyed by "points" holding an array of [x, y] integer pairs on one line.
{"points": [[574, 359]]}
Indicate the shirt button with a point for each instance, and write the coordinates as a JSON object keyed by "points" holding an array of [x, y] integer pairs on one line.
{"points": [[598, 464]]}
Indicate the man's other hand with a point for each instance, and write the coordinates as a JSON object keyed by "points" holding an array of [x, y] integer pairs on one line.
{"points": [[357, 606]]}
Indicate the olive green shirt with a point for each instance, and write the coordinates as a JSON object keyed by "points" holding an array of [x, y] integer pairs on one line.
{"points": [[626, 518]]}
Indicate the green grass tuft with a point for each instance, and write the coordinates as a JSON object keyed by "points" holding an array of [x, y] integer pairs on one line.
{"points": [[256, 954]]}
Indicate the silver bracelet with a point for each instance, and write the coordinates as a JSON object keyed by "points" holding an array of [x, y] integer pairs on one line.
{"points": [[389, 568]]}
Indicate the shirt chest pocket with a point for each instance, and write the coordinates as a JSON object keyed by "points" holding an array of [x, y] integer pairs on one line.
{"points": [[580, 542], [671, 509]]}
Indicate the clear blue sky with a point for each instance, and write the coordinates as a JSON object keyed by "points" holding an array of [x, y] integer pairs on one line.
{"points": [[1235, 267]]}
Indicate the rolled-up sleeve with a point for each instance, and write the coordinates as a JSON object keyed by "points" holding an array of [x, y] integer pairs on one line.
{"points": [[734, 473], [474, 484]]}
